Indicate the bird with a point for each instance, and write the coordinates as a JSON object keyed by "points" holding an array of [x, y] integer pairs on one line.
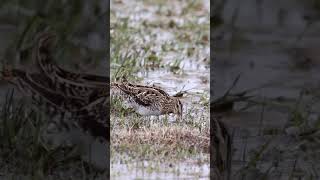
{"points": [[90, 115], [146, 100], [220, 149], [84, 96]]}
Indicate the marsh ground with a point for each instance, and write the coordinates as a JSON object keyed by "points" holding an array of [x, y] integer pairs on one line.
{"points": [[168, 46]]}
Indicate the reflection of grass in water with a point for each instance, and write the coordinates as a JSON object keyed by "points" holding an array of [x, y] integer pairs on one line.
{"points": [[25, 151]]}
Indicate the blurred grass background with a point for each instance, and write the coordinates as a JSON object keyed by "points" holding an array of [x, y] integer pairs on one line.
{"points": [[82, 46], [80, 26]]}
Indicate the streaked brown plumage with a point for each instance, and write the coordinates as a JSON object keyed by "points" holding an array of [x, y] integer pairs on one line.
{"points": [[85, 96], [91, 115], [147, 100], [75, 84]]}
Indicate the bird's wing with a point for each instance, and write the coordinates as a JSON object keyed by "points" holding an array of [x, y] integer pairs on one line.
{"points": [[158, 89], [28, 83], [148, 97]]}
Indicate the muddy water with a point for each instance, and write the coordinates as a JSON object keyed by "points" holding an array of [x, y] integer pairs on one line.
{"points": [[282, 58]]}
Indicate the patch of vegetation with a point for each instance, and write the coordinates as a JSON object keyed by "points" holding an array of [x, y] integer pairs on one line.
{"points": [[26, 153], [73, 25], [154, 39]]}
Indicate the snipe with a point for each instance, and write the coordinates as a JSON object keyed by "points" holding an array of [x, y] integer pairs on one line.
{"points": [[84, 96], [146, 100]]}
